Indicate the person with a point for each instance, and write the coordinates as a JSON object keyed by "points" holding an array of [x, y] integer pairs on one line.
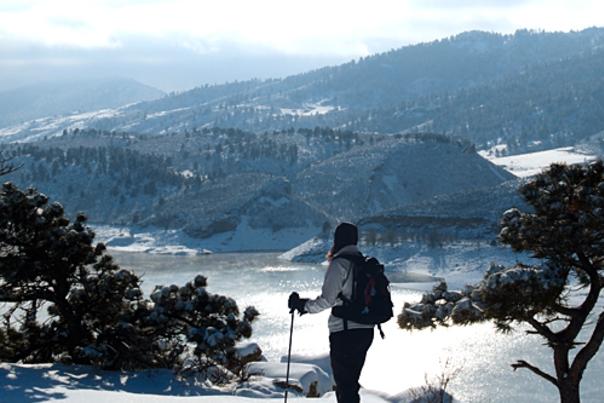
{"points": [[348, 340]]}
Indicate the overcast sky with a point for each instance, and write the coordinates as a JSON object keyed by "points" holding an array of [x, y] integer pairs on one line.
{"points": [[176, 44]]}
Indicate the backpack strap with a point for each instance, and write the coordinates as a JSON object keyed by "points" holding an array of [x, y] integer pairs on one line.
{"points": [[353, 259], [340, 295]]}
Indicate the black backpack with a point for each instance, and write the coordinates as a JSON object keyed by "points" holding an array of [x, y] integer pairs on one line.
{"points": [[370, 303]]}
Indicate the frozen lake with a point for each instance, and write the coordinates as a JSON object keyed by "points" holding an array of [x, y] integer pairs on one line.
{"points": [[404, 359]]}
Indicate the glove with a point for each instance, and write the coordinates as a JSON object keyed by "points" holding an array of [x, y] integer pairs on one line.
{"points": [[295, 303]]}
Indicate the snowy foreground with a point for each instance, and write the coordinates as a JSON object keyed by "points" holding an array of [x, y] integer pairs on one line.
{"points": [[402, 361], [40, 383]]}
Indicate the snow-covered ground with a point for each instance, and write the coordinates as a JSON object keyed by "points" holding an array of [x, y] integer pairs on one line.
{"points": [[41, 383], [523, 165], [310, 109]]}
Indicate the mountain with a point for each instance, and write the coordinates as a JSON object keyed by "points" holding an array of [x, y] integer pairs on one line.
{"points": [[231, 187], [528, 90], [593, 145], [457, 216], [68, 97], [446, 231], [396, 172], [544, 106]]}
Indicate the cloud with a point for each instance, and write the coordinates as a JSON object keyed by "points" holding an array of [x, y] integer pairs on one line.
{"points": [[153, 61], [449, 4], [314, 27], [139, 34]]}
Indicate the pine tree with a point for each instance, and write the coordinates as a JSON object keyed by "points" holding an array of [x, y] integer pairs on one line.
{"points": [[97, 313], [557, 297]]}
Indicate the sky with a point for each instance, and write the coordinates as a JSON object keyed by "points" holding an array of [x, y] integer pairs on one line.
{"points": [[178, 44]]}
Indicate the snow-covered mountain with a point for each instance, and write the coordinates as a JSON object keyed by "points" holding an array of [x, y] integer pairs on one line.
{"points": [[464, 222], [393, 173], [460, 216], [529, 90], [257, 210], [244, 190], [52, 99]]}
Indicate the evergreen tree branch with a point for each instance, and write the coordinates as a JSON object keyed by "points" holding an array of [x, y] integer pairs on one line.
{"points": [[26, 297], [534, 369]]}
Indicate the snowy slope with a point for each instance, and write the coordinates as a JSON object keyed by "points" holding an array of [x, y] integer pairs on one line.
{"points": [[523, 165], [49, 99], [46, 127], [241, 207], [465, 85]]}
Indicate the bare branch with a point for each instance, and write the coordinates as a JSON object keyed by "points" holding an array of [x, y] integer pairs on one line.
{"points": [[565, 310], [595, 287], [590, 349], [542, 329], [556, 319], [534, 369]]}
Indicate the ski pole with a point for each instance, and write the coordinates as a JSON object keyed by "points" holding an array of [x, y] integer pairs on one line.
{"points": [[289, 354]]}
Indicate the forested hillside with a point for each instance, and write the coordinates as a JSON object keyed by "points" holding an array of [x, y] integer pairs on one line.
{"points": [[212, 182], [529, 90]]}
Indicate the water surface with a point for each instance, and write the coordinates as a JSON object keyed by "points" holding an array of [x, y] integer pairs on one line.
{"points": [[404, 359]]}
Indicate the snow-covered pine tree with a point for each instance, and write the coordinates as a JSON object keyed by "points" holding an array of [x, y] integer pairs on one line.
{"points": [[556, 297], [97, 313]]}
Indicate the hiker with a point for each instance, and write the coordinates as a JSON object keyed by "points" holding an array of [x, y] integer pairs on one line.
{"points": [[348, 340]]}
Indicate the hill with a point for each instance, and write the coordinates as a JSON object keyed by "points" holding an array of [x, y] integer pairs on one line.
{"points": [[400, 171], [529, 90], [68, 97], [246, 190]]}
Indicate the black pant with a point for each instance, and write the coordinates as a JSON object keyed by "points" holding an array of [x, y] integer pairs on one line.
{"points": [[348, 349]]}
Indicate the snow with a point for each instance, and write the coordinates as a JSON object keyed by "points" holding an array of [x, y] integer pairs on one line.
{"points": [[307, 376], [523, 165], [165, 113], [43, 382], [312, 250], [153, 241], [175, 242], [490, 153], [309, 109], [53, 126]]}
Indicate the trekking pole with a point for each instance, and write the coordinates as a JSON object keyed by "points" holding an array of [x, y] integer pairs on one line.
{"points": [[289, 354]]}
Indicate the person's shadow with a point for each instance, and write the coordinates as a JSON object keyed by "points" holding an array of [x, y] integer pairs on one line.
{"points": [[44, 382]]}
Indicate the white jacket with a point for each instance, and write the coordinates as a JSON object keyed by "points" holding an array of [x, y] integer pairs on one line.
{"points": [[337, 279]]}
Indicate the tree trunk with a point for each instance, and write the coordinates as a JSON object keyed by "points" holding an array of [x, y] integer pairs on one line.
{"points": [[76, 331], [569, 391]]}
